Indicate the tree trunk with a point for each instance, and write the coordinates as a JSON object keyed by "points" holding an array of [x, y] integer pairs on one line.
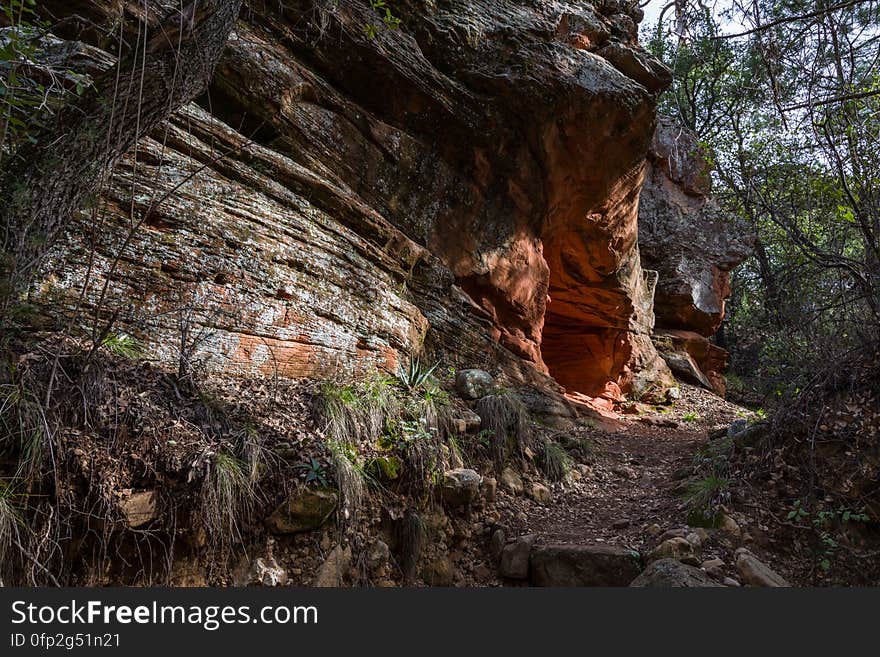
{"points": [[51, 179]]}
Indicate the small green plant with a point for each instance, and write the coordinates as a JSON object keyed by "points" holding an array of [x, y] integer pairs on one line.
{"points": [[704, 498], [798, 512], [415, 376], [690, 416], [555, 461], [314, 471], [388, 19], [826, 524], [357, 412], [124, 345]]}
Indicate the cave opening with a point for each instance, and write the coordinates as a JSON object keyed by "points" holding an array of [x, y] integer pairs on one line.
{"points": [[597, 299]]}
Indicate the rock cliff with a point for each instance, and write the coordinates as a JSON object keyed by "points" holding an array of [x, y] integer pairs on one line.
{"points": [[693, 245], [346, 193]]}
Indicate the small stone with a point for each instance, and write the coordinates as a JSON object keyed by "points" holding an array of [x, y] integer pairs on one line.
{"points": [[267, 572], [496, 544], [673, 533], [466, 422], [439, 572], [669, 573], [755, 572], [676, 548], [728, 525], [625, 472], [333, 569], [702, 533], [460, 487], [515, 558], [729, 581], [490, 488], [377, 554], [511, 481], [303, 511], [694, 539], [474, 384], [714, 567], [653, 530], [585, 470], [540, 493]]}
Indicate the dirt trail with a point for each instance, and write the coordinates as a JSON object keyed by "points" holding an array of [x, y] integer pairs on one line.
{"points": [[633, 479]]}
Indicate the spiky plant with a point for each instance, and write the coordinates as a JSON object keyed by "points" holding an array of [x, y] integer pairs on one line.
{"points": [[705, 496], [227, 496], [123, 345], [555, 461], [23, 427], [415, 375], [357, 412], [10, 523]]}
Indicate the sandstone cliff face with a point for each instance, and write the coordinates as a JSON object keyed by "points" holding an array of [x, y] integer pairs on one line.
{"points": [[468, 184], [693, 245]]}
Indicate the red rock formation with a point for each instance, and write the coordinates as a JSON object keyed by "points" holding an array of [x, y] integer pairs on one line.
{"points": [[339, 199], [692, 245]]}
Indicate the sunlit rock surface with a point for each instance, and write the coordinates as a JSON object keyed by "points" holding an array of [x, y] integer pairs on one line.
{"points": [[467, 185]]}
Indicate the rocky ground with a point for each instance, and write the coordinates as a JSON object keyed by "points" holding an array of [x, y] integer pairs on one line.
{"points": [[631, 497]]}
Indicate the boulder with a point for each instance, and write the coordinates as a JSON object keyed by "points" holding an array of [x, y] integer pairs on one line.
{"points": [[583, 565], [756, 573], [474, 384], [671, 573], [684, 368], [305, 510], [515, 558], [460, 487], [685, 236]]}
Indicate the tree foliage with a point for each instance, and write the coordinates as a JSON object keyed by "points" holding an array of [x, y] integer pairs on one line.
{"points": [[787, 95]]}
